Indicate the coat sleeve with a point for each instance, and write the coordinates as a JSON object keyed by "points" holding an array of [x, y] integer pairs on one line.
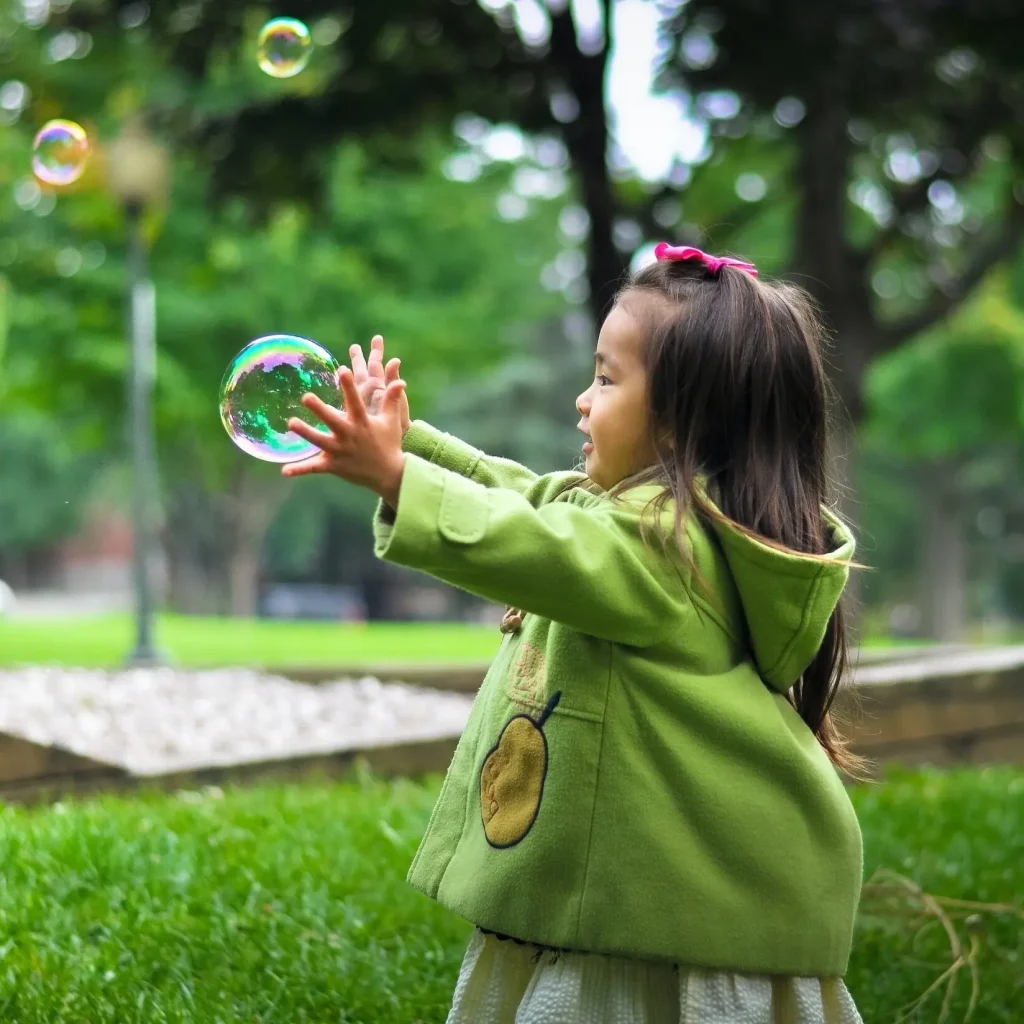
{"points": [[442, 449], [584, 566]]}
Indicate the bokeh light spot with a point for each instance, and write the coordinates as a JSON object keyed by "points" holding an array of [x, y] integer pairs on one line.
{"points": [[60, 152], [284, 47]]}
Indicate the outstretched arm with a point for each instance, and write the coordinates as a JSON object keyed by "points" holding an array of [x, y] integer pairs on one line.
{"points": [[449, 452], [582, 563]]}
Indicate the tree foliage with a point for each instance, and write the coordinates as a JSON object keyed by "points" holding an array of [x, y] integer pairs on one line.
{"points": [[955, 391], [871, 152], [401, 249], [42, 482], [872, 124]]}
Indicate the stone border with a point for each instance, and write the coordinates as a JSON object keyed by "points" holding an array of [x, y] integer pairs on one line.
{"points": [[955, 706], [964, 708], [467, 677], [411, 759], [459, 678]]}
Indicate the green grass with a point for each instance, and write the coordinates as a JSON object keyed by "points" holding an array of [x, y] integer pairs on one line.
{"points": [[957, 835], [272, 904], [105, 641], [288, 904]]}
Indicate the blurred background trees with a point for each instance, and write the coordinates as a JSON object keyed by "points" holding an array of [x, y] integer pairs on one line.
{"points": [[463, 177]]}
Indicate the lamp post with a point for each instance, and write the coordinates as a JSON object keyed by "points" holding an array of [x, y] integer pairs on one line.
{"points": [[137, 170]]}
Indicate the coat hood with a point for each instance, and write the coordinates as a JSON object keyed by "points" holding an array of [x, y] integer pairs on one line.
{"points": [[787, 599]]}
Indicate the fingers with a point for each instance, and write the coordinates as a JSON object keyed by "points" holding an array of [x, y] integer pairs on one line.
{"points": [[376, 356], [325, 442], [392, 370], [363, 370], [355, 407], [314, 464], [393, 396], [355, 354], [330, 417]]}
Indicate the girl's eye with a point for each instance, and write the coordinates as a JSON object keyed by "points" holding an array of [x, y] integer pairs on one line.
{"points": [[602, 379]]}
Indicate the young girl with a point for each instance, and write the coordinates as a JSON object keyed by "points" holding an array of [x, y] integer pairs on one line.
{"points": [[643, 817]]}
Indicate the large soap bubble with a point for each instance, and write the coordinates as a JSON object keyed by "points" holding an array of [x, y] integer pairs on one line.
{"points": [[263, 388]]}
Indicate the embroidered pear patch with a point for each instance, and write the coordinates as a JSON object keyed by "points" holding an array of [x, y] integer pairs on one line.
{"points": [[512, 778]]}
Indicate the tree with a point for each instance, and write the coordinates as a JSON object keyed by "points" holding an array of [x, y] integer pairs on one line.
{"points": [[41, 484], [871, 152], [420, 257], [901, 112], [950, 404], [446, 270], [44, 471], [883, 101], [859, 137]]}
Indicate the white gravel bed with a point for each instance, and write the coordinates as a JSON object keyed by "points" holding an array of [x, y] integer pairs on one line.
{"points": [[154, 721]]}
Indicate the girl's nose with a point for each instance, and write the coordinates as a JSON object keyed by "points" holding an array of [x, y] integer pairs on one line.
{"points": [[583, 402]]}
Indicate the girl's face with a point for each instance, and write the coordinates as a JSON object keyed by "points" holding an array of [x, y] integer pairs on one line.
{"points": [[614, 407]]}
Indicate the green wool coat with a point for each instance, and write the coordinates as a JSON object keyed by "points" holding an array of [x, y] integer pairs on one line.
{"points": [[631, 779]]}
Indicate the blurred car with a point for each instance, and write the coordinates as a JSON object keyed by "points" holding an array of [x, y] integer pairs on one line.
{"points": [[313, 601]]}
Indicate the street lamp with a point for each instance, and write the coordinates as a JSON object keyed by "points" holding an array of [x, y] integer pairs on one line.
{"points": [[137, 172]]}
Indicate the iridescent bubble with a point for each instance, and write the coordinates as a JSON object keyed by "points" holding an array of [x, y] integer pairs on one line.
{"points": [[60, 152], [262, 389], [284, 47]]}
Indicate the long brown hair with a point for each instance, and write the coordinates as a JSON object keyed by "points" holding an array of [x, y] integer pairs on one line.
{"points": [[738, 387]]}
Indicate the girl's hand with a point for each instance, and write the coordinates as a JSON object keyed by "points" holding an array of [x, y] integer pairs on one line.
{"points": [[362, 448], [373, 377]]}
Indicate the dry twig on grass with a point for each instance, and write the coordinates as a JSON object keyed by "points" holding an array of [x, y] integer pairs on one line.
{"points": [[900, 895]]}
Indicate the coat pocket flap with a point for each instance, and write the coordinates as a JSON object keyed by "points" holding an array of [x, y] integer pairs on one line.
{"points": [[463, 515]]}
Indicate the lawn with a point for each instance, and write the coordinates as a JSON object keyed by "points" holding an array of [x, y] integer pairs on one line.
{"points": [[288, 904], [958, 836], [193, 641], [105, 641]]}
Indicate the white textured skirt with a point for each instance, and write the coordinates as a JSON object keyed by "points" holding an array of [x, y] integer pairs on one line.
{"points": [[506, 982]]}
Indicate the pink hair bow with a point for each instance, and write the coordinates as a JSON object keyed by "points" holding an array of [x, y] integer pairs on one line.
{"points": [[664, 251]]}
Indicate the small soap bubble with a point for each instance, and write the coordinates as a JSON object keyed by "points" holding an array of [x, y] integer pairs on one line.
{"points": [[60, 152], [284, 47], [263, 388]]}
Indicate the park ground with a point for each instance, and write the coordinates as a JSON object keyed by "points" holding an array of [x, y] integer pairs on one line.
{"points": [[289, 904], [197, 642]]}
